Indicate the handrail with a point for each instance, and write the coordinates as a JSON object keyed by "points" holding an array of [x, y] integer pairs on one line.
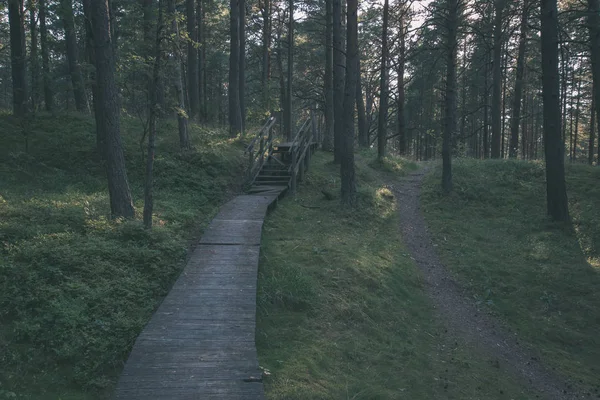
{"points": [[299, 150], [257, 159]]}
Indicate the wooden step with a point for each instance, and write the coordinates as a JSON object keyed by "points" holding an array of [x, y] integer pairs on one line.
{"points": [[278, 178], [266, 189], [272, 183]]}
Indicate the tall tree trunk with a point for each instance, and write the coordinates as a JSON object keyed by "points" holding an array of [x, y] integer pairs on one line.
{"points": [[576, 135], [66, 15], [235, 116], [450, 95], [519, 83], [383, 88], [34, 55], [347, 173], [558, 207], [182, 121], [46, 79], [153, 113], [363, 129], [266, 53], [290, 73], [594, 29], [338, 80], [242, 5], [486, 108], [91, 59], [400, 104], [592, 131], [121, 204], [497, 80], [202, 103], [192, 59], [328, 84], [17, 56]]}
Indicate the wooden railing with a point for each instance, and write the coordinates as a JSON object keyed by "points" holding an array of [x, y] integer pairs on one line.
{"points": [[260, 149], [300, 152]]}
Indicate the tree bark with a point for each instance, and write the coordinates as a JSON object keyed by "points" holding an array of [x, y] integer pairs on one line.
{"points": [[592, 131], [328, 144], [519, 83], [34, 55], [121, 204], [486, 108], [338, 81], [290, 74], [66, 15], [153, 116], [594, 30], [576, 134], [348, 180], [383, 88], [192, 59], [363, 129], [18, 57], [242, 5], [450, 96], [182, 120], [497, 80], [400, 105], [557, 202], [46, 79], [266, 53], [235, 117], [202, 103]]}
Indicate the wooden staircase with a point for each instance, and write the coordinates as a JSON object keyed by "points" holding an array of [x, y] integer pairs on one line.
{"points": [[275, 168]]}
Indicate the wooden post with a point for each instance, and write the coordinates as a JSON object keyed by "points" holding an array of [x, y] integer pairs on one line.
{"points": [[262, 150], [313, 127], [250, 163]]}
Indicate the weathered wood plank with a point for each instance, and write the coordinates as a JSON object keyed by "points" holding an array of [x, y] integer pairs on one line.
{"points": [[200, 342]]}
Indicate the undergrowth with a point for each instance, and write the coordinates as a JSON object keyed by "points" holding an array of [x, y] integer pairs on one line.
{"points": [[342, 312], [541, 278], [76, 287]]}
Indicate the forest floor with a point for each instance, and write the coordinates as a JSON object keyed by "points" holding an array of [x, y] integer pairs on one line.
{"points": [[343, 309], [525, 289], [76, 288]]}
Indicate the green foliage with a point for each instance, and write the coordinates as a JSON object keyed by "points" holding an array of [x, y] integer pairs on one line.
{"points": [[76, 287], [341, 308], [541, 278]]}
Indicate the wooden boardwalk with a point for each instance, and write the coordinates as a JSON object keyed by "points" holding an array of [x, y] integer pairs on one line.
{"points": [[200, 342]]}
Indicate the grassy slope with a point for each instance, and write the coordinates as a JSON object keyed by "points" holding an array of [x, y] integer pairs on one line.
{"points": [[341, 309], [75, 287], [543, 279]]}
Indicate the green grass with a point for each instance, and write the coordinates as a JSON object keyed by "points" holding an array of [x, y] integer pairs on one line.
{"points": [[75, 287], [541, 278], [342, 312]]}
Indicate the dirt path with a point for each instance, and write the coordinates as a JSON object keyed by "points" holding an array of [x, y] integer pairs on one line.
{"points": [[460, 315]]}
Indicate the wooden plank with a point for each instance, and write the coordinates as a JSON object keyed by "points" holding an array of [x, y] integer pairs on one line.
{"points": [[200, 342]]}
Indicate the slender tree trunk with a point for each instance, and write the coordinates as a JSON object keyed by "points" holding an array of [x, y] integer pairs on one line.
{"points": [[66, 15], [363, 134], [91, 58], [328, 144], [486, 134], [519, 83], [576, 134], [34, 55], [153, 116], [235, 116], [592, 131], [18, 57], [242, 5], [563, 88], [383, 89], [558, 207], [400, 101], [202, 112], [192, 59], [348, 180], [266, 53], [48, 95], [594, 29], [497, 80], [338, 80], [182, 120], [450, 96], [290, 73], [121, 204]]}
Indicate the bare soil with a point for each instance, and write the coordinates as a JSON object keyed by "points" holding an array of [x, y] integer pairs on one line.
{"points": [[460, 314]]}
